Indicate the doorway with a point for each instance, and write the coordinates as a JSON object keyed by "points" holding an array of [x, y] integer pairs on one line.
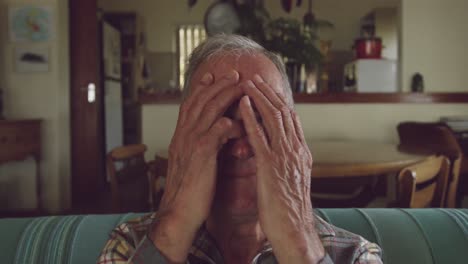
{"points": [[87, 104], [105, 76]]}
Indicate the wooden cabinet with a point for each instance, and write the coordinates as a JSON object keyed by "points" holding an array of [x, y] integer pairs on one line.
{"points": [[20, 139]]}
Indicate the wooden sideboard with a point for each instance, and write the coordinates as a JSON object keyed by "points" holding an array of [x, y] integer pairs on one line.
{"points": [[20, 139]]}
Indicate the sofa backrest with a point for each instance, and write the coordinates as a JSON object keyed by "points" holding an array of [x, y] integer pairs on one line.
{"points": [[406, 235]]}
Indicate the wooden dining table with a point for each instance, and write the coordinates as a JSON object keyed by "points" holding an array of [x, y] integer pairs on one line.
{"points": [[342, 159], [358, 158]]}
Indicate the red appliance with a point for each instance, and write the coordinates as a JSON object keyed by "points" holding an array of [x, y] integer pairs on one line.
{"points": [[368, 48]]}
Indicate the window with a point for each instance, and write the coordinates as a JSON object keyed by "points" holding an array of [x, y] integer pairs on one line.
{"points": [[188, 38]]}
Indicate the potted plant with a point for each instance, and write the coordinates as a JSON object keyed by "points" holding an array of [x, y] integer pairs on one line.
{"points": [[293, 41], [297, 45], [300, 46]]}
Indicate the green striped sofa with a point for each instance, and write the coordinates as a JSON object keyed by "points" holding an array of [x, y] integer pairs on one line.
{"points": [[407, 236]]}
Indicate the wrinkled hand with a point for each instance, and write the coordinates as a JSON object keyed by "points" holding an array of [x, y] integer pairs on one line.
{"points": [[284, 165], [190, 186]]}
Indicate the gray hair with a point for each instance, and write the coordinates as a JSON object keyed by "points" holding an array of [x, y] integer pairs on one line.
{"points": [[232, 45]]}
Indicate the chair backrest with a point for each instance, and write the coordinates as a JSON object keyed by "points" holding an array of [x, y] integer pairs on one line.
{"points": [[127, 169], [343, 192], [423, 184], [434, 138], [161, 164], [157, 172]]}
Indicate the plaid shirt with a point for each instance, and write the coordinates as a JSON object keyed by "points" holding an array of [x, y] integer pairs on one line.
{"points": [[129, 243]]}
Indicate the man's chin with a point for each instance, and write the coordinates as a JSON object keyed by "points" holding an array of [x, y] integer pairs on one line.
{"points": [[242, 215], [236, 196], [237, 209], [239, 174]]}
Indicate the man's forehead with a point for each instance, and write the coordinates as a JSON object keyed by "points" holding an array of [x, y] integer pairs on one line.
{"points": [[247, 65]]}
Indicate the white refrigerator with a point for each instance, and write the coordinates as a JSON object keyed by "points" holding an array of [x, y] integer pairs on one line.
{"points": [[111, 52]]}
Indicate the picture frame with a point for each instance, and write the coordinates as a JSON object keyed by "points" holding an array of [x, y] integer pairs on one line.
{"points": [[31, 23], [31, 59]]}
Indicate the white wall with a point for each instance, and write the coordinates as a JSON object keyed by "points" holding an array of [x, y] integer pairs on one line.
{"points": [[387, 26], [44, 96], [434, 41]]}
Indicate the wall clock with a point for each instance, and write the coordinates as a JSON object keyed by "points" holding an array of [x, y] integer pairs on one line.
{"points": [[221, 17]]}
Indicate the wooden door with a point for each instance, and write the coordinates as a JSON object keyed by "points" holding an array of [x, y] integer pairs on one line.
{"points": [[87, 116]]}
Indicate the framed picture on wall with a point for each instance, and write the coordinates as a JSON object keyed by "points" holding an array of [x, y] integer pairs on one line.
{"points": [[31, 23], [31, 59]]}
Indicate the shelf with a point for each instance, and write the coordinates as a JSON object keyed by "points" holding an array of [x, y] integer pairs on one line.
{"points": [[341, 98]]}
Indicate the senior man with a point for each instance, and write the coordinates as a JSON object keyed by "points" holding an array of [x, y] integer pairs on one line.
{"points": [[238, 182]]}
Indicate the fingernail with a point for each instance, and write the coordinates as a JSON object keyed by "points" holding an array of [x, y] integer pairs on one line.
{"points": [[246, 100], [206, 78], [231, 75], [257, 78]]}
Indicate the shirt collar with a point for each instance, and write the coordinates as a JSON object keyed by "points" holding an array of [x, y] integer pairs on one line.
{"points": [[204, 247], [323, 228]]}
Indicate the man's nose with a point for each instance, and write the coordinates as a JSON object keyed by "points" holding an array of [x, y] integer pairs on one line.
{"points": [[241, 148]]}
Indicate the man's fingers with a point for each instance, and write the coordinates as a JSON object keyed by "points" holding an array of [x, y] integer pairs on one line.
{"points": [[205, 81], [278, 102], [185, 107], [255, 133], [298, 128], [218, 106], [205, 95], [236, 131], [221, 131], [271, 116], [268, 91], [203, 92]]}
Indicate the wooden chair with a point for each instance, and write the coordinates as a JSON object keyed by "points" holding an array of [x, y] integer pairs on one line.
{"points": [[343, 192], [128, 174], [157, 175], [423, 184], [462, 191], [434, 138]]}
